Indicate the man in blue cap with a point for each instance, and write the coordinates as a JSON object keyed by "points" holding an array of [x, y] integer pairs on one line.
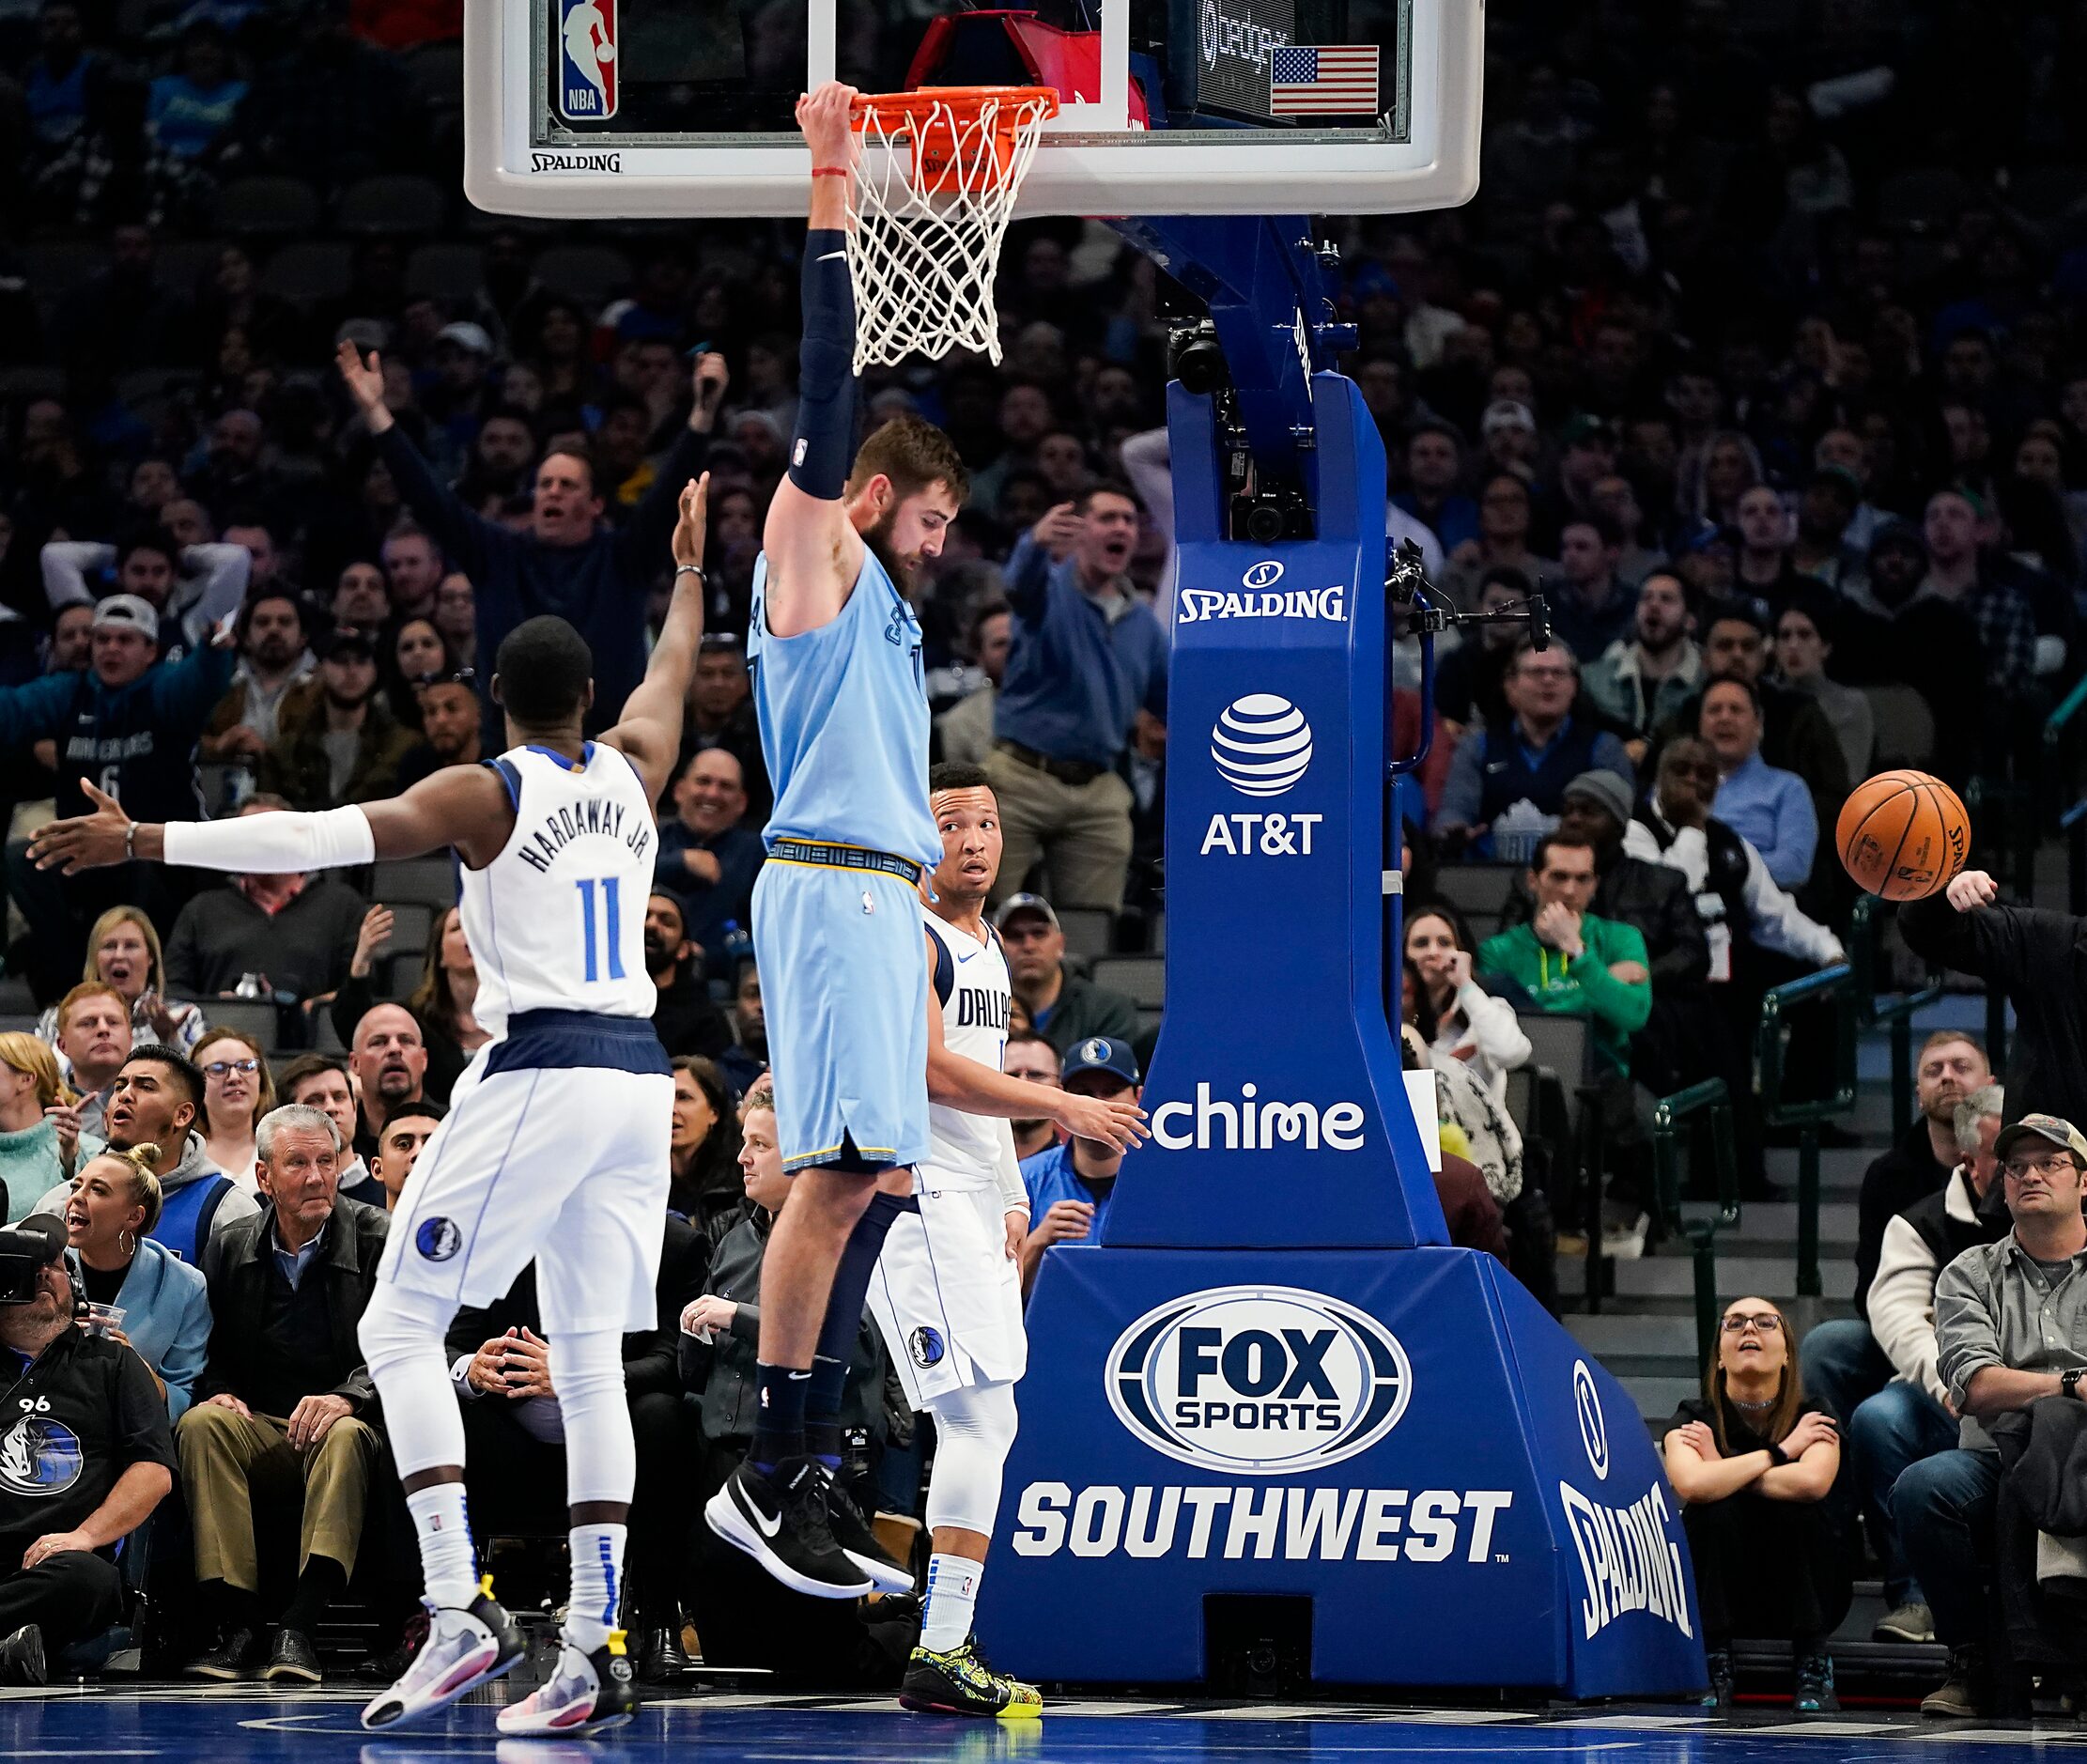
{"points": [[1070, 1183]]}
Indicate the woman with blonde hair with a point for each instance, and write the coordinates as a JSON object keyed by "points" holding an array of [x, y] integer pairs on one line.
{"points": [[31, 1159], [123, 951], [238, 1089], [160, 1307], [1752, 1462]]}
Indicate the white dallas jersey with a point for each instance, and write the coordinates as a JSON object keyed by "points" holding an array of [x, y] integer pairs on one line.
{"points": [[556, 922], [970, 978]]}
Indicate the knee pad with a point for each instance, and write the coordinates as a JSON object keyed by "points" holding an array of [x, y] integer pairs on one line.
{"points": [[974, 1430]]}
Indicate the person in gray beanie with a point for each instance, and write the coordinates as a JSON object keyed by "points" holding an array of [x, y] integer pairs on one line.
{"points": [[1596, 807]]}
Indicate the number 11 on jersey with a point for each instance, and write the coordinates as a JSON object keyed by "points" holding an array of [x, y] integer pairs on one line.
{"points": [[610, 888]]}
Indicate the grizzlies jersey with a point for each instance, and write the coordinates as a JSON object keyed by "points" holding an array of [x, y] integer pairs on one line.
{"points": [[844, 715], [556, 922], [971, 985]]}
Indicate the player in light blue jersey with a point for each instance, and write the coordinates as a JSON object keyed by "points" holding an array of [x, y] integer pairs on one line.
{"points": [[836, 656]]}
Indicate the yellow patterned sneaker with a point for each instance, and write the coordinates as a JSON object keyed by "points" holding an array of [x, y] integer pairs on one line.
{"points": [[961, 1683]]}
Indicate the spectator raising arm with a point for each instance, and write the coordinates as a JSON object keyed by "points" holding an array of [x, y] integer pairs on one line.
{"points": [[644, 536], [467, 539], [209, 593]]}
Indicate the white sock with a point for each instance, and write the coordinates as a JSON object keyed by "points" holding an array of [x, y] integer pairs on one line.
{"points": [[952, 1596], [445, 1554], [597, 1553]]}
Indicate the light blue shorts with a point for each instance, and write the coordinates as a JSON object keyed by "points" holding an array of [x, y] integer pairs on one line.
{"points": [[843, 985]]}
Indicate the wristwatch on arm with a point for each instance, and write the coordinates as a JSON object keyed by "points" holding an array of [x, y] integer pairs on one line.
{"points": [[2068, 1381]]}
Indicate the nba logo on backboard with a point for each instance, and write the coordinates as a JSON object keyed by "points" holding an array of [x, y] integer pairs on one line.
{"points": [[586, 60]]}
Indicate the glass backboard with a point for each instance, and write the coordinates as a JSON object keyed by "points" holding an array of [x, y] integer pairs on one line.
{"points": [[646, 107]]}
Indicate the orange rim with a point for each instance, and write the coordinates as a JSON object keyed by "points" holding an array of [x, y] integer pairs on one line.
{"points": [[937, 121]]}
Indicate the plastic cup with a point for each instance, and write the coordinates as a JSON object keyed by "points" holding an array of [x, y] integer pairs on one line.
{"points": [[103, 1319]]}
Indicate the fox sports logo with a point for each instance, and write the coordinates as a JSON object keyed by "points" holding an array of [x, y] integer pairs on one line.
{"points": [[1259, 1380]]}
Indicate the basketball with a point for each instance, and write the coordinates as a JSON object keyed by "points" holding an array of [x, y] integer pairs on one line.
{"points": [[1903, 835]]}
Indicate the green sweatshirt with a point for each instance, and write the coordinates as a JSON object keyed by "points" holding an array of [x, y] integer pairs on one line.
{"points": [[1615, 1010]]}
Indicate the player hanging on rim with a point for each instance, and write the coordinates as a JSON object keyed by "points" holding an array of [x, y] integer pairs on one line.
{"points": [[841, 694], [556, 839], [948, 1292]]}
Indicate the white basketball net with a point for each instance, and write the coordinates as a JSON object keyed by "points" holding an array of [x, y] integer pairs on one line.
{"points": [[932, 197]]}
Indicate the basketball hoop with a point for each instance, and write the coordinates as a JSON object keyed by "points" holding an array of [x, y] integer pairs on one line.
{"points": [[933, 195]]}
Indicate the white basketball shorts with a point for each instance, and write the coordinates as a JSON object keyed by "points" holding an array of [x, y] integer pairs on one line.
{"points": [[563, 1166], [945, 1296]]}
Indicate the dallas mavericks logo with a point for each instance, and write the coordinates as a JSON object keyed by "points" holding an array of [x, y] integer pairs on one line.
{"points": [[1095, 1052], [437, 1239], [40, 1457], [927, 1347], [1259, 1380], [586, 59], [1262, 744]]}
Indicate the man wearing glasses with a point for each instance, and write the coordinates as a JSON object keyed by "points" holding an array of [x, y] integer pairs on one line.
{"points": [[2010, 1329], [1528, 762]]}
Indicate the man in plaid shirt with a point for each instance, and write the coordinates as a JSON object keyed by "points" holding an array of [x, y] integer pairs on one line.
{"points": [[2006, 624]]}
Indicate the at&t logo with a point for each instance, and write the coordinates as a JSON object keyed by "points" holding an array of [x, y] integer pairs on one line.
{"points": [[1262, 745], [1259, 1380]]}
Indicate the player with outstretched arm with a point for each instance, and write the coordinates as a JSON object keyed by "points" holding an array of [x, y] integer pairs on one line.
{"points": [[556, 840]]}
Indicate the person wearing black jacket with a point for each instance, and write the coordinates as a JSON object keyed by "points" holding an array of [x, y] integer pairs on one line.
{"points": [[745, 1618], [597, 578], [2039, 960], [687, 1017], [85, 1455], [284, 1393], [516, 1458]]}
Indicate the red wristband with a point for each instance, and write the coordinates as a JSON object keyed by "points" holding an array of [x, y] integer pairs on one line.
{"points": [[831, 171]]}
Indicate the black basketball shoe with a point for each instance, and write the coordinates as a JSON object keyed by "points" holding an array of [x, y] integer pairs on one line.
{"points": [[859, 1541], [781, 1520]]}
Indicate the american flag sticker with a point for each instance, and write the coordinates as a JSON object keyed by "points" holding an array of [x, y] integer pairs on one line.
{"points": [[1321, 81]]}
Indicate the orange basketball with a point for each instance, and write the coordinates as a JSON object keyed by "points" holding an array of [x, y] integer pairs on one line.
{"points": [[1903, 835]]}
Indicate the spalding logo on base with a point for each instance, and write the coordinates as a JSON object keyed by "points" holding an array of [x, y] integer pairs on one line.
{"points": [[1259, 1380]]}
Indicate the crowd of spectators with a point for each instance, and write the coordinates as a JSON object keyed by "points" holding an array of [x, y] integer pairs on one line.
{"points": [[1760, 356]]}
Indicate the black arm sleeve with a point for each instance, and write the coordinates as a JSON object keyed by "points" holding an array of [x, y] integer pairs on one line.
{"points": [[823, 444]]}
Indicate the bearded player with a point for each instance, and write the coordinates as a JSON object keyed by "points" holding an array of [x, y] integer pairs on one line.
{"points": [[948, 1292], [835, 653], [556, 840]]}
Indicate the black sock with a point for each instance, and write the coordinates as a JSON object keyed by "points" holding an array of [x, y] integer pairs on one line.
{"points": [[822, 1439], [777, 1415], [322, 1582], [844, 1322], [230, 1607]]}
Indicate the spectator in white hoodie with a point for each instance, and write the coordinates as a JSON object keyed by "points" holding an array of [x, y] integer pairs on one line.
{"points": [[1911, 1418], [1472, 1026]]}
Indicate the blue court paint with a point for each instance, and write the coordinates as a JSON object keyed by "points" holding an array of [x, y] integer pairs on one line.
{"points": [[239, 1724]]}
